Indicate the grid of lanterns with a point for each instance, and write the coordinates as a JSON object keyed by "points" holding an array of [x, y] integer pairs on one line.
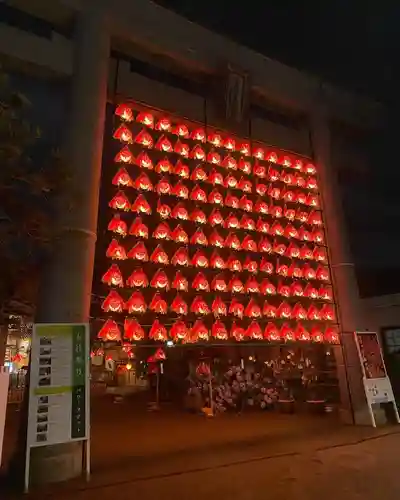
{"points": [[227, 227]]}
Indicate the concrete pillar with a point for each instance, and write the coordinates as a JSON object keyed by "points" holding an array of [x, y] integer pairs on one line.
{"points": [[343, 275], [67, 284]]}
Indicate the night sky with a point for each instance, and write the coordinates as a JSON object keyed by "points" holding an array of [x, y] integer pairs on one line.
{"points": [[354, 43]]}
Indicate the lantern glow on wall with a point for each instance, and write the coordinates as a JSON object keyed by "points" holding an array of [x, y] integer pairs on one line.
{"points": [[212, 238]]}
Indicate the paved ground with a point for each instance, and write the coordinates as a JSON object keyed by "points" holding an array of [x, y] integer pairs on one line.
{"points": [[235, 458]]}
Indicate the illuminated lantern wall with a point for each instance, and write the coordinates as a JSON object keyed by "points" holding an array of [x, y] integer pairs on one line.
{"points": [[212, 238]]}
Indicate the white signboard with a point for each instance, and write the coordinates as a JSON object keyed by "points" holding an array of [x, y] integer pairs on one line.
{"points": [[377, 386], [59, 387], [4, 381]]}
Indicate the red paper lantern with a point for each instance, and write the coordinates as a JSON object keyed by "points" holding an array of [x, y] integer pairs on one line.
{"points": [[290, 232], [137, 279], [331, 335], [180, 282], [322, 274], [271, 332], [198, 194], [259, 153], [198, 216], [200, 283], [198, 135], [246, 204], [182, 149], [163, 125], [123, 134], [252, 286], [325, 293], [199, 174], [199, 306], [146, 119], [159, 256], [309, 169], [284, 311], [287, 333], [276, 211], [163, 186], [229, 143], [162, 232], [302, 215], [318, 237], [313, 200], [269, 310], [279, 248], [254, 331], [179, 306], [122, 178], [295, 271], [215, 218], [282, 269], [236, 308], [272, 157], [298, 165], [284, 290], [293, 251], [266, 266], [164, 144], [261, 189], [216, 197], [316, 334], [120, 202], [273, 174], [288, 179], [179, 330], [267, 288], [249, 244], [231, 201], [245, 185], [110, 332], [262, 226], [139, 252], [261, 207], [113, 277], [124, 112], [144, 161], [198, 153], [229, 162], [144, 139], [181, 170], [139, 229], [199, 332], [163, 210], [250, 265], [244, 148], [199, 259], [180, 190], [299, 181], [124, 156], [199, 238], [306, 253], [290, 214], [136, 304], [214, 158], [260, 171], [232, 222], [118, 226], [218, 284], [230, 181], [315, 219], [289, 196], [304, 235], [277, 229], [158, 304], [179, 235], [215, 139], [302, 334], [296, 289], [237, 332], [116, 251], [236, 285], [265, 245], [219, 331], [319, 254], [327, 313], [181, 257], [253, 310], [216, 261], [232, 241], [299, 312], [313, 313], [113, 302], [132, 330], [244, 166], [158, 332], [217, 240], [310, 292], [234, 264], [181, 130], [309, 273], [143, 183], [180, 212], [160, 280], [141, 205], [219, 307]]}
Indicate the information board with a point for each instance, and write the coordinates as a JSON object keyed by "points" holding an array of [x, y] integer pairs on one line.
{"points": [[59, 386], [377, 386]]}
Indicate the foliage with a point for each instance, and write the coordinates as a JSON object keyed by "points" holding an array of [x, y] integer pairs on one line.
{"points": [[29, 191]]}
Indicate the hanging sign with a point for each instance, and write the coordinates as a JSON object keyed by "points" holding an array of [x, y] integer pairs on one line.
{"points": [[59, 387], [377, 386]]}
